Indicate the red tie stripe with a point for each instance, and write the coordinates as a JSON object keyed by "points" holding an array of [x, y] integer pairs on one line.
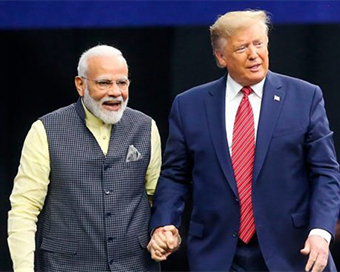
{"points": [[243, 151]]}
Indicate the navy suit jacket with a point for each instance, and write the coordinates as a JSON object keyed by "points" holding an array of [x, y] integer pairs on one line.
{"points": [[295, 176]]}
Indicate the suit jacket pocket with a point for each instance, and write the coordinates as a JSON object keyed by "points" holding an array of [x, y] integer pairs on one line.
{"points": [[286, 131], [59, 245], [300, 219], [196, 229]]}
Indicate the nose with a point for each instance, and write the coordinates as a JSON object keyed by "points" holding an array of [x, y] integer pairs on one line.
{"points": [[114, 90], [252, 54]]}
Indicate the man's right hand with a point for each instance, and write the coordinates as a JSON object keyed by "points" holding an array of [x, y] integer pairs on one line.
{"points": [[163, 242]]}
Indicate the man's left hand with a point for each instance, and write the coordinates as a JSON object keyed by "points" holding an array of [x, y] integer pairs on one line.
{"points": [[317, 248]]}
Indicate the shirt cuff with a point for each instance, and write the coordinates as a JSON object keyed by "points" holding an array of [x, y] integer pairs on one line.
{"points": [[322, 233]]}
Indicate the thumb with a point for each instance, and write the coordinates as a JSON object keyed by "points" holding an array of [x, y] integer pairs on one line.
{"points": [[306, 249], [171, 232], [171, 228]]}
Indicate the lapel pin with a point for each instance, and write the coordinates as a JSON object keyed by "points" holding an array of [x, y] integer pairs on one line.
{"points": [[276, 98]]}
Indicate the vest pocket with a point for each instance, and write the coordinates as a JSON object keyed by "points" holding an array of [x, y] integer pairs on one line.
{"points": [[59, 246], [143, 240]]}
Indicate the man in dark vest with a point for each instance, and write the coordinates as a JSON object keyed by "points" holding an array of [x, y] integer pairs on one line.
{"points": [[80, 198]]}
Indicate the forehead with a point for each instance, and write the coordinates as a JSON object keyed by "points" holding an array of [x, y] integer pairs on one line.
{"points": [[107, 65], [248, 34]]}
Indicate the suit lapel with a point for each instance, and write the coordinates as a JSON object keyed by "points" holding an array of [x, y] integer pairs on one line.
{"points": [[215, 110], [272, 101]]}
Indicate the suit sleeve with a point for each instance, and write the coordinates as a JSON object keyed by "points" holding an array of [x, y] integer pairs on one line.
{"points": [[173, 185], [323, 168]]}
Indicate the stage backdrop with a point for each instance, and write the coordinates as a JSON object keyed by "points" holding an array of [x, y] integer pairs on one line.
{"points": [[166, 44]]}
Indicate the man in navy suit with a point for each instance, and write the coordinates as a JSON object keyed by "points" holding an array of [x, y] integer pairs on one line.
{"points": [[282, 217]]}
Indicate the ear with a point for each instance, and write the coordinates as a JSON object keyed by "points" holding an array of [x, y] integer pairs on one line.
{"points": [[80, 85], [220, 58]]}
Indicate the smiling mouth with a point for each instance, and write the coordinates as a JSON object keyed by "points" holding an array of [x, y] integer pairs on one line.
{"points": [[112, 105], [255, 67]]}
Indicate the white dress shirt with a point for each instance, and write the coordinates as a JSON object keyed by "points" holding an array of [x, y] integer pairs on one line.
{"points": [[232, 101]]}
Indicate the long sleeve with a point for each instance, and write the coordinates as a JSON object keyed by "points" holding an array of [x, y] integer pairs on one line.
{"points": [[153, 171], [27, 198], [31, 185]]}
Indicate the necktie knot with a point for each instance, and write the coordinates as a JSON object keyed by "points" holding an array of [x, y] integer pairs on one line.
{"points": [[246, 90]]}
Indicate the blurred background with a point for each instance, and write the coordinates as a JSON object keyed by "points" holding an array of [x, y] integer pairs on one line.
{"points": [[166, 44]]}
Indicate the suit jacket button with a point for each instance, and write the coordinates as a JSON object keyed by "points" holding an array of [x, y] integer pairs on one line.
{"points": [[235, 234]]}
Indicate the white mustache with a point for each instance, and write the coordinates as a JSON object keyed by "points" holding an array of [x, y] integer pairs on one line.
{"points": [[113, 99]]}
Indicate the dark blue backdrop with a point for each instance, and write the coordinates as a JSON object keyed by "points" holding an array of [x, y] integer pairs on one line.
{"points": [[168, 49], [85, 14]]}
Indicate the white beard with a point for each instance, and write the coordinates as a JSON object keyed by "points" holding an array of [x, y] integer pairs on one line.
{"points": [[96, 108]]}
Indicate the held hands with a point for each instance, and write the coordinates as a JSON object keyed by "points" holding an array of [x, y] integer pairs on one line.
{"points": [[164, 241], [317, 249]]}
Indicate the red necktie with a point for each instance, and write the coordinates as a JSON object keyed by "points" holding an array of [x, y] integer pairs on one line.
{"points": [[243, 151]]}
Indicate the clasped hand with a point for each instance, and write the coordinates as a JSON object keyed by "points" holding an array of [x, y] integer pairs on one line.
{"points": [[164, 241]]}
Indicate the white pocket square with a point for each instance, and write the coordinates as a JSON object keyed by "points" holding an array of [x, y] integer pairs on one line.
{"points": [[133, 154]]}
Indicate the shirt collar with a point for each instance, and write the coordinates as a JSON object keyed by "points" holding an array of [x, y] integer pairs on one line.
{"points": [[233, 88], [90, 118]]}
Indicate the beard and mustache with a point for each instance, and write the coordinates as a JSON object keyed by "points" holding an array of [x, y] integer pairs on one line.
{"points": [[97, 109]]}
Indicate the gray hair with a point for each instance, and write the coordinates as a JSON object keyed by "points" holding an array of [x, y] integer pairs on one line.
{"points": [[231, 22], [99, 50]]}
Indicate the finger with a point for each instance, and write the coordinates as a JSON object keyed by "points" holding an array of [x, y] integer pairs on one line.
{"points": [[172, 235], [148, 247], [161, 241], [170, 239], [311, 261], [156, 255], [159, 246], [159, 254], [157, 258], [316, 267], [320, 264], [167, 254]]}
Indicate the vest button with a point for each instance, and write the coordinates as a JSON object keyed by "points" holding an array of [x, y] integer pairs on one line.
{"points": [[108, 214], [107, 192], [110, 239]]}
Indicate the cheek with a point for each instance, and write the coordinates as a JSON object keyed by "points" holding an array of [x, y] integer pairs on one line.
{"points": [[125, 94], [264, 56], [97, 95]]}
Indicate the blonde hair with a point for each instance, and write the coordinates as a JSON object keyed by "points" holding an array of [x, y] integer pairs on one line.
{"points": [[231, 22]]}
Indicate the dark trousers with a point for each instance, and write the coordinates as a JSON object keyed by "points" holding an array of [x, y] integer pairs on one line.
{"points": [[248, 257]]}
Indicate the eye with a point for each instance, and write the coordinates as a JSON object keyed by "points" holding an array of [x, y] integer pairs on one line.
{"points": [[240, 49], [104, 83], [123, 82], [258, 44]]}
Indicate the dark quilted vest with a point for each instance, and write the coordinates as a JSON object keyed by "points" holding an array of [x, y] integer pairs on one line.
{"points": [[96, 213]]}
